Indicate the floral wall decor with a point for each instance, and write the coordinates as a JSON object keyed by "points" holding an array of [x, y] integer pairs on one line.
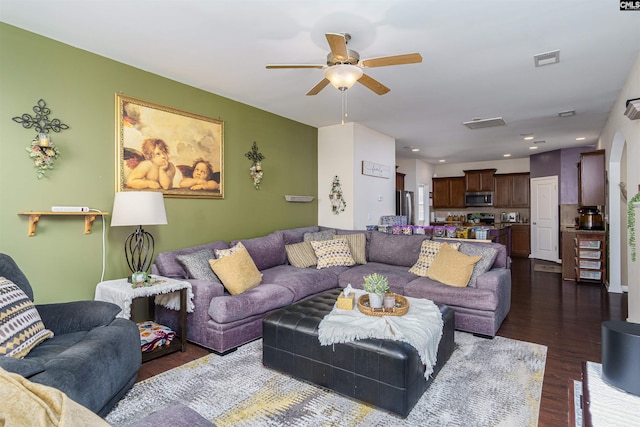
{"points": [[42, 150], [256, 167], [338, 204]]}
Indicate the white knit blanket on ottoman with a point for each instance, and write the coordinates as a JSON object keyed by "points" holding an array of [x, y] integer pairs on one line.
{"points": [[421, 327]]}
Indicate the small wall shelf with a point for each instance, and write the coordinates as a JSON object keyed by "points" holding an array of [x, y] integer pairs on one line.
{"points": [[298, 199], [89, 217]]}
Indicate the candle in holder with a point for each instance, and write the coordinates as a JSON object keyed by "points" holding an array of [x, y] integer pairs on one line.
{"points": [[389, 301], [43, 139]]}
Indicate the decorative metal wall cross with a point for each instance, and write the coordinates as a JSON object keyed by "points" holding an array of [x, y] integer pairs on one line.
{"points": [[41, 121], [256, 168]]}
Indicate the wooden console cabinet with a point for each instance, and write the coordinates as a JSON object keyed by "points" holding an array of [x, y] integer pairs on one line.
{"points": [[584, 256]]}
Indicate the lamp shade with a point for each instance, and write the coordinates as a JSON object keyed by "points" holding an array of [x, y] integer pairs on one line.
{"points": [[343, 76], [134, 208]]}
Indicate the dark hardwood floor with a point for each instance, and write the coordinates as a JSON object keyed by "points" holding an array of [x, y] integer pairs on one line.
{"points": [[564, 316]]}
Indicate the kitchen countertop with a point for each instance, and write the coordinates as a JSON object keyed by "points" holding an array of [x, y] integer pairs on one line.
{"points": [[573, 229]]}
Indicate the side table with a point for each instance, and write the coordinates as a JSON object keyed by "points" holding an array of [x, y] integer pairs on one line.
{"points": [[121, 293]]}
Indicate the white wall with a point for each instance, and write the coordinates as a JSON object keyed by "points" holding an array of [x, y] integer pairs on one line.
{"points": [[618, 131], [502, 166], [341, 150]]}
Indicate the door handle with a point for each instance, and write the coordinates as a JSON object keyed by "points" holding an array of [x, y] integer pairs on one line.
{"points": [[534, 223]]}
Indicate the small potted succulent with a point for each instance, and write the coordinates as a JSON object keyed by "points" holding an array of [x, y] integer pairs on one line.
{"points": [[377, 285]]}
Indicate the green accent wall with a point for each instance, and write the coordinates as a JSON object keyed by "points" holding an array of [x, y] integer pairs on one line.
{"points": [[60, 261]]}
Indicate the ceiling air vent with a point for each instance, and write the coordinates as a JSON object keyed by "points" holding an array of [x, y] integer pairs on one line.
{"points": [[547, 58], [484, 123]]}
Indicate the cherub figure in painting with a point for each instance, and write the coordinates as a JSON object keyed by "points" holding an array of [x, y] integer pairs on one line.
{"points": [[200, 176], [155, 171]]}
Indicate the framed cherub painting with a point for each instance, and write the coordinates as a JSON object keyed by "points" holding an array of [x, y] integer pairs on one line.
{"points": [[164, 149]]}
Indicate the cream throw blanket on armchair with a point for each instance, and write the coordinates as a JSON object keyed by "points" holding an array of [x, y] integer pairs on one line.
{"points": [[421, 327]]}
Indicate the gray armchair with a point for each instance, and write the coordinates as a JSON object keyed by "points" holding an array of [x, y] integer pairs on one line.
{"points": [[93, 356]]}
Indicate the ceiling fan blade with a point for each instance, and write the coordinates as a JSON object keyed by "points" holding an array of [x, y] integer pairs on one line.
{"points": [[373, 84], [338, 45], [409, 58], [275, 66], [317, 88]]}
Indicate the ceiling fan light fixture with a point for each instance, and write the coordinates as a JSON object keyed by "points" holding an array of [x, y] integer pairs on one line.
{"points": [[343, 76]]}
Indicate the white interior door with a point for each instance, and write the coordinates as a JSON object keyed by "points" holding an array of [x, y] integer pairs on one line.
{"points": [[544, 218]]}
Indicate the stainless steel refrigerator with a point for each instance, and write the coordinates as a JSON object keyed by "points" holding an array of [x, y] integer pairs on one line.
{"points": [[405, 205]]}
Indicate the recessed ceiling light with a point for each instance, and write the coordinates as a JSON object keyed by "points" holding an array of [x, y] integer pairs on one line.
{"points": [[533, 147], [582, 138], [442, 160], [567, 113], [527, 136], [506, 155], [546, 58], [415, 149]]}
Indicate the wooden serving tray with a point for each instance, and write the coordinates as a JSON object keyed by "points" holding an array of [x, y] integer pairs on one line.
{"points": [[401, 308]]}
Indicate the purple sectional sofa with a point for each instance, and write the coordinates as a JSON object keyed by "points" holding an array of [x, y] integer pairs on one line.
{"points": [[221, 322]]}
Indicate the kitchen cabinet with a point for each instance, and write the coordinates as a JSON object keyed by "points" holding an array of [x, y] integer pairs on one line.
{"points": [[592, 179], [479, 180], [511, 190], [400, 181], [520, 240], [503, 236], [448, 192], [568, 255]]}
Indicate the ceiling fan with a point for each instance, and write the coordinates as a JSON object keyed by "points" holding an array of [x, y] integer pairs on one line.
{"points": [[344, 66]]}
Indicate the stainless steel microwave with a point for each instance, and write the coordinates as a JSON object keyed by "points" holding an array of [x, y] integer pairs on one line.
{"points": [[478, 198]]}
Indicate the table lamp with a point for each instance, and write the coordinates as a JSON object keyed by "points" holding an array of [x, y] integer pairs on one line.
{"points": [[138, 208]]}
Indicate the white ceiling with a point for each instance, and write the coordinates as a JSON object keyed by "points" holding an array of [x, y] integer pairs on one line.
{"points": [[477, 61]]}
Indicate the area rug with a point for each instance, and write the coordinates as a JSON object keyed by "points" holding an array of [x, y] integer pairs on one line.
{"points": [[547, 268], [610, 406], [485, 383]]}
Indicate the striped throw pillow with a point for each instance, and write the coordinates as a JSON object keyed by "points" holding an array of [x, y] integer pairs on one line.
{"points": [[21, 328], [301, 254]]}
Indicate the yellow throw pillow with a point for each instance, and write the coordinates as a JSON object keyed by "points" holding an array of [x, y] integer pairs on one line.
{"points": [[452, 267], [332, 253], [237, 272], [357, 245], [21, 328], [301, 254], [428, 251]]}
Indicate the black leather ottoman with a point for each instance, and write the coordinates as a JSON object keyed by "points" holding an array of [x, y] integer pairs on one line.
{"points": [[384, 373]]}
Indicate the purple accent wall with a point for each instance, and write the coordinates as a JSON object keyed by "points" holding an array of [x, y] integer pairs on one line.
{"points": [[562, 163], [545, 164]]}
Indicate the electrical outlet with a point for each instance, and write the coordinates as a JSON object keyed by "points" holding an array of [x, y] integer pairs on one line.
{"points": [[380, 197]]}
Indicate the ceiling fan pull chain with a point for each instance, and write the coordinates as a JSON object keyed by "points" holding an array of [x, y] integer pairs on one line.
{"points": [[344, 105]]}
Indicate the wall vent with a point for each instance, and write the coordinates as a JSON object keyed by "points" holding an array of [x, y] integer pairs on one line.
{"points": [[484, 123]]}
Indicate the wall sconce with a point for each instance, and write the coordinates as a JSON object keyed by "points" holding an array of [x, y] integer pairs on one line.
{"points": [[42, 150], [256, 168], [338, 204]]}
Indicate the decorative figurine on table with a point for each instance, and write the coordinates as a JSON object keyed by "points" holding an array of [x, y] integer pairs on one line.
{"points": [[140, 279]]}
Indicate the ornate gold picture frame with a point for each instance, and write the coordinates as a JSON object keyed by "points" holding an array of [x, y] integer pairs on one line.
{"points": [[164, 149]]}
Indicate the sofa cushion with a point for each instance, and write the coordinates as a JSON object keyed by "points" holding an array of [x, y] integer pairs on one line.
{"points": [[395, 249], [259, 300], [397, 276], [452, 267], [332, 253], [237, 272], [319, 235], [303, 282], [428, 251], [357, 245], [296, 235], [197, 266], [488, 255], [168, 266], [472, 298], [221, 253], [301, 254], [21, 328], [267, 251]]}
